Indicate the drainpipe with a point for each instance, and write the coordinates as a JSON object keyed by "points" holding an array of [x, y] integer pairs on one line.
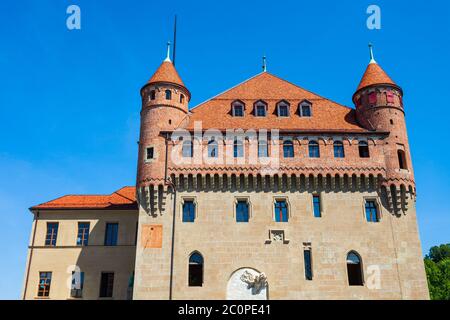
{"points": [[36, 217]]}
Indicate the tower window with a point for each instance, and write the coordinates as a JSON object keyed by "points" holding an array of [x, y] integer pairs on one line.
{"points": [[195, 270], [281, 211], [150, 153], [371, 211], [45, 280], [188, 211], [314, 150], [152, 95], [181, 98], [242, 211], [354, 269], [168, 94], [238, 148], [338, 148], [316, 206], [389, 97], [288, 149], [308, 263], [402, 159], [363, 149], [187, 149], [305, 109], [373, 98], [213, 149]]}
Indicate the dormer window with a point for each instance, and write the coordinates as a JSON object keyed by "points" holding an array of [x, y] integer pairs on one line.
{"points": [[237, 109], [283, 109], [260, 109], [168, 95], [305, 109]]}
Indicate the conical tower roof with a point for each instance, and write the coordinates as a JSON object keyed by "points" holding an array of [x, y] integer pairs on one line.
{"points": [[374, 74]]}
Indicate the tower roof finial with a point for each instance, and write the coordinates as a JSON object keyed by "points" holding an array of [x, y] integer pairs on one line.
{"points": [[372, 60], [264, 66], [168, 52]]}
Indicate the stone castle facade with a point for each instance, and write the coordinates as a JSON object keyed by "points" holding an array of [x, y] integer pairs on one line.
{"points": [[265, 191]]}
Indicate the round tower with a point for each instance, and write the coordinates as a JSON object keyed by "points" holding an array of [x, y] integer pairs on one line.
{"points": [[164, 107], [379, 107]]}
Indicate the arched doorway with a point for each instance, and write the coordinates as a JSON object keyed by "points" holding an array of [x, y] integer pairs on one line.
{"points": [[247, 284]]}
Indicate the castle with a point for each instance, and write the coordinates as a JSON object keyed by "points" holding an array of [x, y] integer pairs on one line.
{"points": [[265, 191]]}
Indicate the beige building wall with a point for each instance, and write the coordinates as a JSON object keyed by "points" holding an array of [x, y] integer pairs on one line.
{"points": [[92, 259], [390, 249]]}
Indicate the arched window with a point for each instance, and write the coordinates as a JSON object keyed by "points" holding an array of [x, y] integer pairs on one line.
{"points": [[181, 98], [187, 149], [152, 95], [338, 147], [288, 149], [195, 270], [213, 149], [314, 151], [168, 94], [354, 269], [263, 148], [363, 149], [402, 159], [238, 148]]}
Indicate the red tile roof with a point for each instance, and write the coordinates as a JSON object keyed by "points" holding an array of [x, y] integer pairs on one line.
{"points": [[124, 198], [166, 73], [326, 114], [374, 75]]}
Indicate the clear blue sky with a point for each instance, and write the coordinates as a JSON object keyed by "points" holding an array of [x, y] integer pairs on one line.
{"points": [[69, 100]]}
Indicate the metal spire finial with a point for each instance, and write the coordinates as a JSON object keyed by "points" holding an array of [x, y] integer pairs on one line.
{"points": [[372, 60], [264, 66], [168, 52]]}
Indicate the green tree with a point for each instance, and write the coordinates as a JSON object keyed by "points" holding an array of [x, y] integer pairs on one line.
{"points": [[437, 267]]}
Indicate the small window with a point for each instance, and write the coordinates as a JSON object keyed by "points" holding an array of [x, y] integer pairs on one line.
{"points": [[52, 233], [305, 110], [187, 149], [260, 110], [238, 148], [402, 159], [181, 98], [281, 211], [283, 110], [242, 211], [150, 153], [238, 110], [389, 97], [45, 280], [152, 95], [288, 149], [371, 211], [106, 285], [373, 98], [363, 149], [213, 149], [308, 264], [313, 148], [188, 211], [354, 269], [263, 149], [76, 289], [195, 270], [316, 206], [338, 147], [83, 233], [168, 95], [111, 233]]}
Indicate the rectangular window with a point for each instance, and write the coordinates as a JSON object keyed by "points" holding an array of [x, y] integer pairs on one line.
{"points": [[76, 290], [371, 211], [188, 211], [260, 111], [263, 150], [308, 264], [283, 111], [52, 233], [242, 211], [316, 206], [281, 211], [83, 233], [150, 153], [238, 111], [372, 97], [106, 285], [45, 280], [111, 233]]}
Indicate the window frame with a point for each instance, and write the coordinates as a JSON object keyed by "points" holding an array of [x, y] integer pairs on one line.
{"points": [[188, 199], [84, 241], [377, 207], [236, 104], [213, 143], [285, 104], [338, 144], [184, 148], [47, 284], [288, 209], [363, 144], [320, 204], [361, 269], [313, 144], [249, 208], [168, 94], [291, 145], [308, 271], [300, 109], [109, 293], [238, 145], [202, 264], [259, 104], [52, 240]]}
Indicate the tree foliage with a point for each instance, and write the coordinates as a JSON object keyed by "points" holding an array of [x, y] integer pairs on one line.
{"points": [[437, 266]]}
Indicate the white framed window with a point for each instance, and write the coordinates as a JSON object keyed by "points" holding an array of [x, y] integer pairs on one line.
{"points": [[237, 109], [283, 109], [305, 109], [260, 109]]}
